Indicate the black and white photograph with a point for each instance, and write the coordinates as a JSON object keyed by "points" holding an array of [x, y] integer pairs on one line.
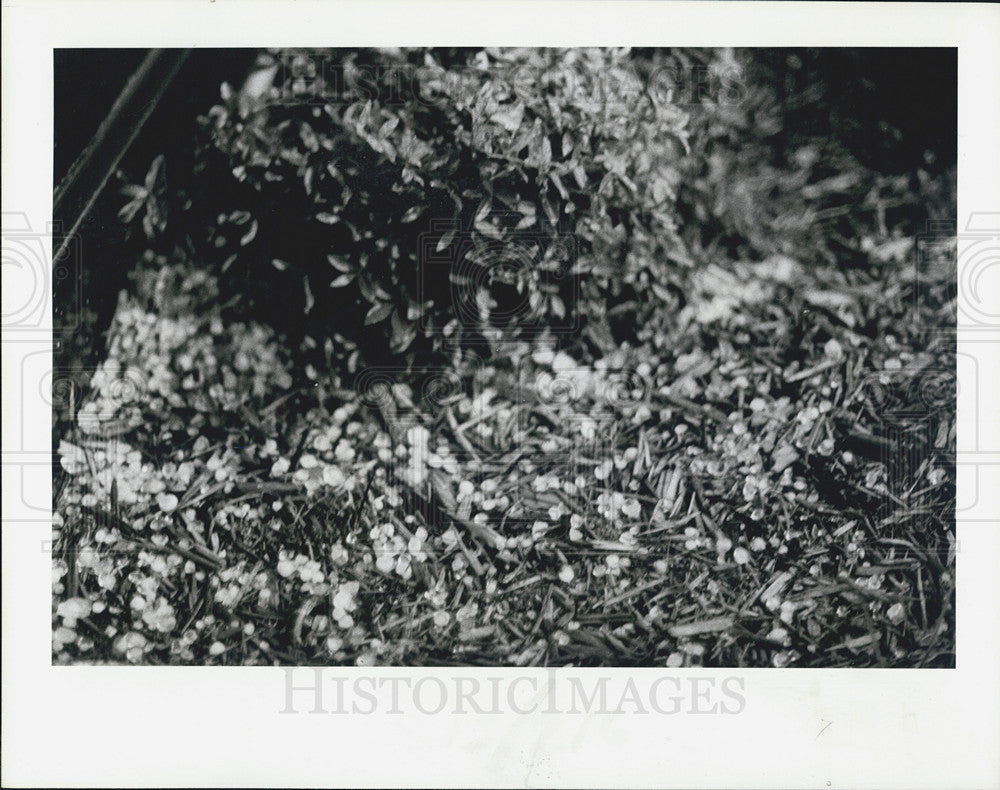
{"points": [[504, 387], [506, 357]]}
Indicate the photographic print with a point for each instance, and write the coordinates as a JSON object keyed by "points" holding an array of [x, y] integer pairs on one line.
{"points": [[505, 357], [539, 394]]}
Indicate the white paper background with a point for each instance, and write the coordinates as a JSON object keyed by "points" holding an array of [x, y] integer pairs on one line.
{"points": [[184, 726]]}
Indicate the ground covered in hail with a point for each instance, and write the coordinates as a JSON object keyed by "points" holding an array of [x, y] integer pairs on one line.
{"points": [[690, 500]]}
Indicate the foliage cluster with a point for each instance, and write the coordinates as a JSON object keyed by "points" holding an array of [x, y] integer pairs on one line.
{"points": [[436, 194]]}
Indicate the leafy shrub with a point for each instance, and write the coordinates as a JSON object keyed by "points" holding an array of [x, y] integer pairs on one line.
{"points": [[818, 140], [438, 193]]}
